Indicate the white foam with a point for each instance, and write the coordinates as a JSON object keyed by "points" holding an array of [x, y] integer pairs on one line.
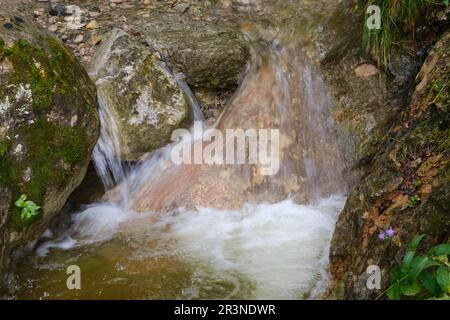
{"points": [[282, 248]]}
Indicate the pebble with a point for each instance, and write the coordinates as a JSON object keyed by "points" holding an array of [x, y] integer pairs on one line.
{"points": [[366, 70], [53, 28], [59, 10], [79, 38], [38, 12], [92, 25], [94, 40]]}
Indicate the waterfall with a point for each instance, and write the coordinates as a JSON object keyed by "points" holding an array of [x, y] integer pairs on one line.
{"points": [[110, 146], [281, 91], [215, 231], [108, 150], [189, 95]]}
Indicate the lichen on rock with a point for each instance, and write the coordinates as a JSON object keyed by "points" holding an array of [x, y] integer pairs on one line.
{"points": [[145, 98]]}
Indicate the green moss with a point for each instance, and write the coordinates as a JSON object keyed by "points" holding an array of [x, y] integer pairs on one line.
{"points": [[4, 146], [29, 67], [398, 22], [2, 44], [62, 64], [48, 148], [48, 75], [428, 136], [51, 149]]}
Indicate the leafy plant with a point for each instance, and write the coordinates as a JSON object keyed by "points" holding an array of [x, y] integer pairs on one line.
{"points": [[29, 208], [412, 201], [422, 276]]}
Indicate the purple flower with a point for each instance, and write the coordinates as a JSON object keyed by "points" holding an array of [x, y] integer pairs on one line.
{"points": [[381, 235], [390, 232]]}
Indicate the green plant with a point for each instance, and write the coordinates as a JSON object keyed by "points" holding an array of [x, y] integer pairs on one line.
{"points": [[29, 208], [412, 201], [4, 145], [423, 276], [439, 91], [397, 17]]}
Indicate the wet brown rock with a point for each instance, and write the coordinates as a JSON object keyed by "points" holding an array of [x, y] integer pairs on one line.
{"points": [[415, 164]]}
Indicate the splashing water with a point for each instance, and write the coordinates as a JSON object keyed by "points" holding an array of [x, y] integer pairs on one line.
{"points": [[196, 232], [109, 147], [263, 251]]}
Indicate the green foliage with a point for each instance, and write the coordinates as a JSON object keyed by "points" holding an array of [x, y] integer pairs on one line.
{"points": [[412, 201], [48, 148], [4, 146], [29, 208], [440, 92], [430, 135], [397, 17], [423, 276]]}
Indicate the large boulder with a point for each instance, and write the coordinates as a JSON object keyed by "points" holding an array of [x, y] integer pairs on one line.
{"points": [[48, 128], [142, 95], [211, 55], [406, 186]]}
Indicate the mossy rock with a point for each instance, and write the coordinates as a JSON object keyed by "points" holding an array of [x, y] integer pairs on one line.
{"points": [[144, 97], [48, 124]]}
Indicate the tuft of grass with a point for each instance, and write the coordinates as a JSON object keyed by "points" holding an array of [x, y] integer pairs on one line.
{"points": [[398, 17]]}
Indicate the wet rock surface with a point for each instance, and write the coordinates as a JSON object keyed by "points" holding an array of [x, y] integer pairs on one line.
{"points": [[405, 187]]}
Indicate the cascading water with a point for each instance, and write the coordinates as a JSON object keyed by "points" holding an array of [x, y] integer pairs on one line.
{"points": [[108, 150], [210, 231], [107, 158]]}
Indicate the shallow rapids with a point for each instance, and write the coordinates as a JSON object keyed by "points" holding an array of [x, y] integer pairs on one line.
{"points": [[263, 251]]}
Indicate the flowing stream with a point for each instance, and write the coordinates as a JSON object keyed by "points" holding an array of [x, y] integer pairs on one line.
{"points": [[233, 234]]}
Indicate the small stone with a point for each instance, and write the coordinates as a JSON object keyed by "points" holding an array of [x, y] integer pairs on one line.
{"points": [[18, 20], [182, 7], [94, 40], [59, 10], [92, 25], [6, 67], [53, 28], [53, 20], [38, 12], [79, 38], [8, 26], [94, 14], [365, 70]]}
